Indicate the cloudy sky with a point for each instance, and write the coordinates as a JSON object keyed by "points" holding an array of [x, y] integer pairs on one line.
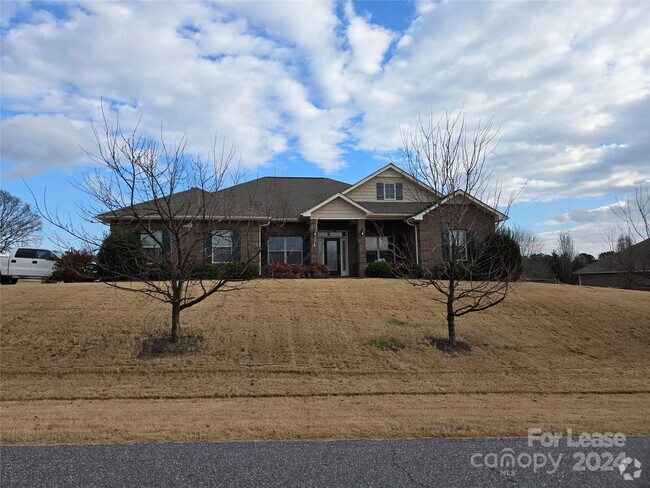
{"points": [[320, 88]]}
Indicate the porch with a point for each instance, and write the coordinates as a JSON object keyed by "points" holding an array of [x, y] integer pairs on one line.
{"points": [[344, 246]]}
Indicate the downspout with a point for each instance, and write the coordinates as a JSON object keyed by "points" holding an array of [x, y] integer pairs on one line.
{"points": [[417, 247], [260, 244]]}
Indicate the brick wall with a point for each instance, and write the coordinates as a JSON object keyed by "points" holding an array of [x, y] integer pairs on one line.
{"points": [[430, 230]]}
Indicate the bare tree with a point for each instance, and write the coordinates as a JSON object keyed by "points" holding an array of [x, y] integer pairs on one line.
{"points": [[176, 234], [529, 242], [480, 261], [529, 245], [629, 254], [634, 214], [19, 224]]}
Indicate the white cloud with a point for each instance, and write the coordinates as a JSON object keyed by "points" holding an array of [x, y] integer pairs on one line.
{"points": [[368, 43], [593, 230], [568, 82], [31, 144]]}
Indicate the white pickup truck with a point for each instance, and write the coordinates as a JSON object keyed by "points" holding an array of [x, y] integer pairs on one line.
{"points": [[26, 262]]}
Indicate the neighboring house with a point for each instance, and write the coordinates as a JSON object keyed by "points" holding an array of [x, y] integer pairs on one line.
{"points": [[629, 269], [387, 216]]}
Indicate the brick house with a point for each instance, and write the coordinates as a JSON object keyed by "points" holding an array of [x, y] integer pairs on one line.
{"points": [[387, 216], [628, 269]]}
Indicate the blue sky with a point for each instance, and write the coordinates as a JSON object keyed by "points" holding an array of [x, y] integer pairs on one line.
{"points": [[322, 89]]}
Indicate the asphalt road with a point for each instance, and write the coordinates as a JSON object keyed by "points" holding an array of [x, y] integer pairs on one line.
{"points": [[394, 463]]}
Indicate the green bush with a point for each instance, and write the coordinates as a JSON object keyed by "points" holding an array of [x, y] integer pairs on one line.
{"points": [[120, 256], [238, 270], [379, 269], [158, 271], [500, 256]]}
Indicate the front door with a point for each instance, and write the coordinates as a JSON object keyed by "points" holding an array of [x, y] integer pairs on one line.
{"points": [[333, 256]]}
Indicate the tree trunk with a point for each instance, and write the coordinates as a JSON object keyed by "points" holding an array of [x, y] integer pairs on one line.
{"points": [[176, 322], [451, 326], [451, 297]]}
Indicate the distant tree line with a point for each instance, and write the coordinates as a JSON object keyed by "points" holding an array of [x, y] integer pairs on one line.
{"points": [[560, 265]]}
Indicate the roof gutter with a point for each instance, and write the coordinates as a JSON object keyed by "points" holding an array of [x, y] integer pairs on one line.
{"points": [[417, 247]]}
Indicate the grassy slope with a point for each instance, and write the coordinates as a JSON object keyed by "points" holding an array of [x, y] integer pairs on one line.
{"points": [[289, 359]]}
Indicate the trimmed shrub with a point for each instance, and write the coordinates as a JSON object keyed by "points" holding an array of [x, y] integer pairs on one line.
{"points": [[379, 269], [278, 270], [203, 271], [286, 270], [318, 270], [299, 271], [238, 270], [73, 266]]}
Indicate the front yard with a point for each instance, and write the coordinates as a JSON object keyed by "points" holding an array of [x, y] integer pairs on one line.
{"points": [[305, 359]]}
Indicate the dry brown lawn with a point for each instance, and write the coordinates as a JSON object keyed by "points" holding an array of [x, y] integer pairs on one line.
{"points": [[294, 359]]}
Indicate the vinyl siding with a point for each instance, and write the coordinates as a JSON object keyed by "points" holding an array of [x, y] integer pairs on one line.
{"points": [[368, 191], [338, 209]]}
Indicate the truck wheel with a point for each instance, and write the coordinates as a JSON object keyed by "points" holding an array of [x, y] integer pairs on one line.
{"points": [[6, 280]]}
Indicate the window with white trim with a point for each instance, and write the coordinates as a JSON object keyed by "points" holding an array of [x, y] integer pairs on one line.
{"points": [[456, 241], [285, 249], [390, 191], [222, 246], [380, 248]]}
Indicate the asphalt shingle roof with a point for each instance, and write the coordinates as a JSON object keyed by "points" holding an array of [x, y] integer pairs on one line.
{"points": [[398, 208], [637, 257], [277, 197]]}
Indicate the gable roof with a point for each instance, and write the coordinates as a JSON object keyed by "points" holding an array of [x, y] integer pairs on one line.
{"points": [[286, 198], [395, 168], [334, 197], [636, 257], [500, 215]]}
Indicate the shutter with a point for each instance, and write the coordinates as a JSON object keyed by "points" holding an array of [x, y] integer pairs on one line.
{"points": [[236, 245], [445, 245], [166, 246], [380, 191], [399, 191], [207, 248], [306, 249]]}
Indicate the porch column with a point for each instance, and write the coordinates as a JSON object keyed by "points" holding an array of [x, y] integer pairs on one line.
{"points": [[361, 246], [313, 240]]}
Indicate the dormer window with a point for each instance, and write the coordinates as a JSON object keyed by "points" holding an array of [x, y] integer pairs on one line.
{"points": [[390, 191]]}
